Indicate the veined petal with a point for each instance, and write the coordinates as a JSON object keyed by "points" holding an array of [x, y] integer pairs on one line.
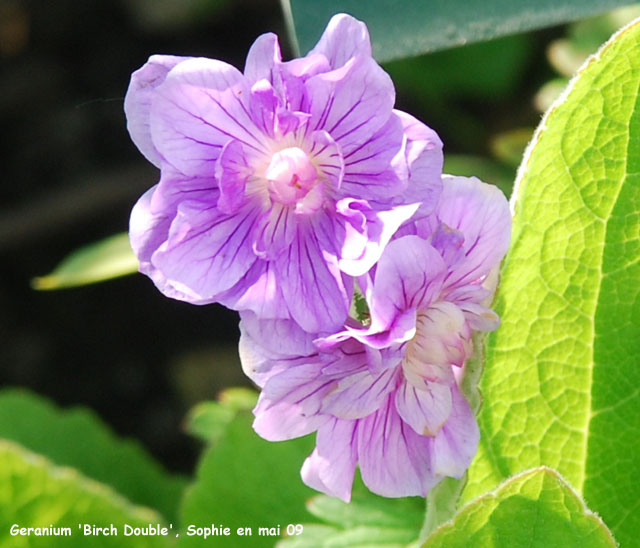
{"points": [[312, 284], [376, 169], [232, 172], [360, 394], [394, 460], [257, 291], [367, 233], [290, 401], [350, 103], [264, 56], [423, 152], [408, 277], [148, 230], [207, 252], [455, 446], [425, 409], [137, 101], [481, 213], [331, 466], [274, 231], [269, 346], [202, 105], [344, 38]]}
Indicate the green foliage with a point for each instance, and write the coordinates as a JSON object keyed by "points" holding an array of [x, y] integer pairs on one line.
{"points": [[416, 27], [560, 386], [245, 481], [209, 419], [77, 438], [536, 509], [368, 520], [96, 262], [35, 493]]}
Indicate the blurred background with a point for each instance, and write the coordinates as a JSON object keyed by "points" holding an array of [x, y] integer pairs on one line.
{"points": [[70, 176]]}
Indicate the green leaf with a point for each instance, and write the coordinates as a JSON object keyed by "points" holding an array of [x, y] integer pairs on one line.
{"points": [[96, 262], [536, 509], [245, 481], [368, 520], [209, 420], [77, 438], [414, 26], [561, 379], [35, 493]]}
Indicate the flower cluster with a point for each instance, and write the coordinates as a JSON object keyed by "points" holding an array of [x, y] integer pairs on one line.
{"points": [[296, 194]]}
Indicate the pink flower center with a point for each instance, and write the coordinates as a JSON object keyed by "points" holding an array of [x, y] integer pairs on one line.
{"points": [[291, 176]]}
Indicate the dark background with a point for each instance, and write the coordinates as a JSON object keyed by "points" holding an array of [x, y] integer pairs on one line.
{"points": [[70, 175]]}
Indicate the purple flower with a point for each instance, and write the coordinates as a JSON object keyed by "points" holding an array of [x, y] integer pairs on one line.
{"points": [[280, 184], [385, 396]]}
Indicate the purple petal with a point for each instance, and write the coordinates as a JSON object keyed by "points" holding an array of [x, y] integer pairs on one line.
{"points": [[257, 291], [394, 460], [366, 233], [481, 213], [148, 230], [408, 276], [344, 38], [312, 284], [268, 347], [360, 394], [201, 105], [274, 231], [290, 401], [328, 158], [263, 56], [455, 446], [331, 466], [424, 159], [376, 169], [232, 172], [137, 102], [425, 408], [206, 252], [351, 103]]}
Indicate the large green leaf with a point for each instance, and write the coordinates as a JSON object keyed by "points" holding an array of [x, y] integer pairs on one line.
{"points": [[561, 382], [245, 481], [77, 438], [412, 27], [36, 494], [99, 261], [536, 509]]}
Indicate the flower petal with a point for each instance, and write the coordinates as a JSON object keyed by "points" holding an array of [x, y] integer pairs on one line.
{"points": [[274, 231], [290, 401], [424, 160], [331, 466], [425, 409], [350, 103], [394, 460], [206, 252], [137, 101], [344, 38], [201, 105], [312, 284], [481, 213], [263, 56], [408, 277], [232, 172], [360, 394], [455, 446]]}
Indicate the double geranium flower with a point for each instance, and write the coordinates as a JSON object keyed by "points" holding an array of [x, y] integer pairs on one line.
{"points": [[285, 191], [279, 184]]}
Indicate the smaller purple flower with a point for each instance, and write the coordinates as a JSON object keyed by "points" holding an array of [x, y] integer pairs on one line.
{"points": [[278, 184], [385, 396]]}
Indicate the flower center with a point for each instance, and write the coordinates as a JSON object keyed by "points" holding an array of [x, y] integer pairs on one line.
{"points": [[291, 175]]}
